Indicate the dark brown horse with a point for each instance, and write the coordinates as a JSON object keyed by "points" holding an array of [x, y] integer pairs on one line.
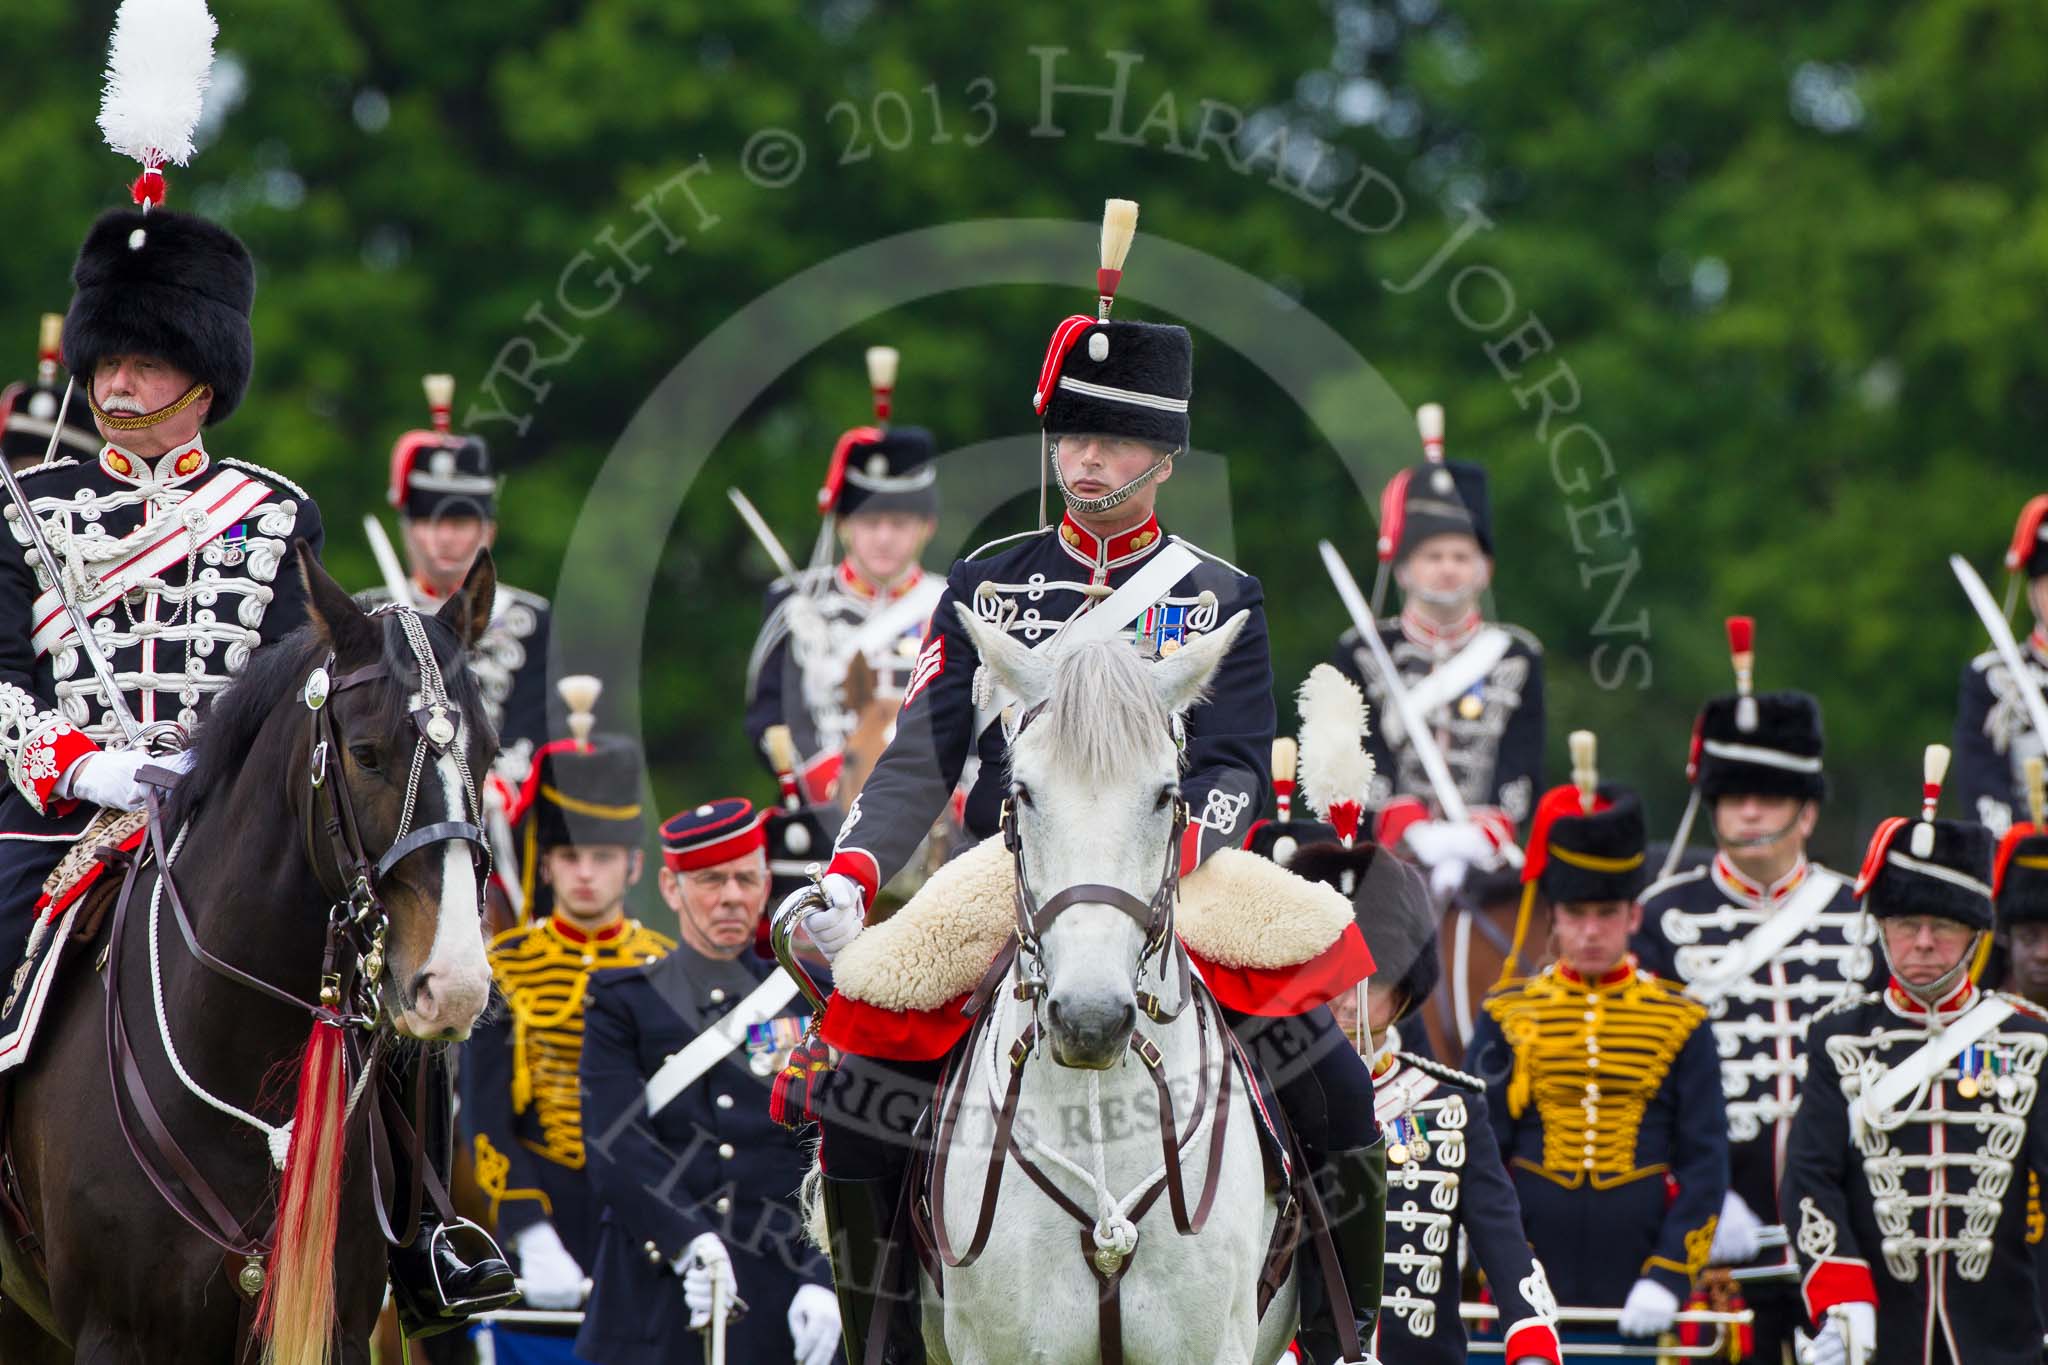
{"points": [[115, 1267]]}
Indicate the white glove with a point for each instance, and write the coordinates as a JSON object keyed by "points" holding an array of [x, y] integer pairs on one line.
{"points": [[1438, 841], [1736, 1235], [703, 1253], [1649, 1312], [834, 925], [814, 1324], [1446, 877], [548, 1275], [1830, 1348], [108, 778]]}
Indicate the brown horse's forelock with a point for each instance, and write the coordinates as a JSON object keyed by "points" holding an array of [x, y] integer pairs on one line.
{"points": [[276, 676]]}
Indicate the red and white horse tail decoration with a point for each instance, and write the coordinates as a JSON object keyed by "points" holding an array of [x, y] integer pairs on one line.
{"points": [[297, 1314]]}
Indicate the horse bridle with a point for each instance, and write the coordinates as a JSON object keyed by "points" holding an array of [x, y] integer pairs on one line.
{"points": [[357, 918], [1154, 918], [351, 959]]}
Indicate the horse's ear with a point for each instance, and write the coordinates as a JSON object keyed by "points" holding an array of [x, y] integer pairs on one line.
{"points": [[1022, 669], [468, 612], [1181, 679], [336, 617]]}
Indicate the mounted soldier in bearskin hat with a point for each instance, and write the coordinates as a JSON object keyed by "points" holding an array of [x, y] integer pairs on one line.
{"points": [[29, 412], [1764, 937], [582, 835], [880, 504], [1478, 685], [1995, 728], [142, 576], [1601, 1079], [446, 492], [1113, 400], [1906, 1181]]}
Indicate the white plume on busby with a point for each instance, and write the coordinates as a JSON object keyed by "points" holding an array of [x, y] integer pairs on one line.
{"points": [[1336, 770], [159, 63]]}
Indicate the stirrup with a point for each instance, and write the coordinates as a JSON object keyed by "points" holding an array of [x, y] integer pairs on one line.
{"points": [[419, 1317]]}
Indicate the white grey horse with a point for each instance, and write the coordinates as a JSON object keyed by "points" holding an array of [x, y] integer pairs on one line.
{"points": [[1094, 791]]}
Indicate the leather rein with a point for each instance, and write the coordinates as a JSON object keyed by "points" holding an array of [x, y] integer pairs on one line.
{"points": [[351, 964]]}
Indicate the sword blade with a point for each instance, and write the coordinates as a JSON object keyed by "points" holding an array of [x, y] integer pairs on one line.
{"points": [[2002, 640], [1448, 798], [81, 625], [758, 524], [395, 581]]}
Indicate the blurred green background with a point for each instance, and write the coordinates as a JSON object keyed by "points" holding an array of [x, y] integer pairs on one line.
{"points": [[1793, 258]]}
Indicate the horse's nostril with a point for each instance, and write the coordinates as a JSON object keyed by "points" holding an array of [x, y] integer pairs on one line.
{"points": [[422, 988], [1130, 1015]]}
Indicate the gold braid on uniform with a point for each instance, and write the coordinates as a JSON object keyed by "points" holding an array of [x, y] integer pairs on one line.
{"points": [[542, 974], [494, 1171], [1556, 1028]]}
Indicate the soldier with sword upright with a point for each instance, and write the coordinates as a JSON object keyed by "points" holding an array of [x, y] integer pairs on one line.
{"points": [[1474, 688], [1999, 719], [138, 580], [880, 503], [446, 492]]}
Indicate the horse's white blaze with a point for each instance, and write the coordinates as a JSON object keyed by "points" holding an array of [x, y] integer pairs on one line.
{"points": [[455, 980]]}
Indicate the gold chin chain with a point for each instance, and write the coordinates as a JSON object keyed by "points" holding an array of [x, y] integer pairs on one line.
{"points": [[142, 420]]}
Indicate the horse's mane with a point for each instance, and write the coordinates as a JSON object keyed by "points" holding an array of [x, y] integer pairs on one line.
{"points": [[276, 674], [1104, 716]]}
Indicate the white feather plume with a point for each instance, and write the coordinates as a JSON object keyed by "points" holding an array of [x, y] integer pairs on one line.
{"points": [[158, 66], [1334, 763]]}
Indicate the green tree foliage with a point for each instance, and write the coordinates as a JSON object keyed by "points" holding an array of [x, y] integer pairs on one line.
{"points": [[1789, 260]]}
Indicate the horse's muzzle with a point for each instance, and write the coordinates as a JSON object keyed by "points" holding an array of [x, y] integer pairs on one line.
{"points": [[444, 1004], [1090, 1034]]}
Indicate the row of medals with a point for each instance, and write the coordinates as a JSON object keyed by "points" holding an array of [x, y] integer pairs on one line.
{"points": [[1973, 1064], [1408, 1141]]}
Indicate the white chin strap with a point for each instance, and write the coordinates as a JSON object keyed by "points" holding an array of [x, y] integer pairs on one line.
{"points": [[1112, 499], [1438, 598], [1943, 986]]}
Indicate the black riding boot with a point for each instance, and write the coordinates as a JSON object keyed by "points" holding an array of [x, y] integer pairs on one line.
{"points": [[1353, 1185], [450, 1271], [860, 1215]]}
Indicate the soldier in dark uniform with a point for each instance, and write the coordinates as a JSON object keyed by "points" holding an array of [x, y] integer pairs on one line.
{"points": [[446, 493], [1445, 1176], [881, 500], [28, 411], [522, 1102], [2020, 882], [1994, 733], [1903, 1183], [183, 560], [709, 1177], [1602, 1082], [1765, 938], [1113, 397], [158, 336], [1479, 684], [2019, 892]]}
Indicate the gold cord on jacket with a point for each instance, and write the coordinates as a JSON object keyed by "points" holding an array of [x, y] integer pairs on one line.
{"points": [[543, 976], [1591, 1057]]}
